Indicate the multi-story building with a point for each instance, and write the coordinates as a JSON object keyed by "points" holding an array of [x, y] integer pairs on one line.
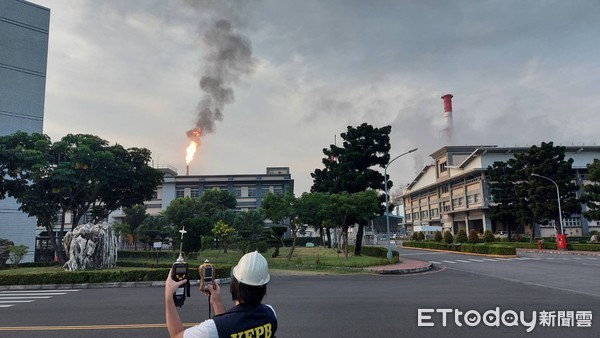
{"points": [[452, 193], [249, 189], [23, 56]]}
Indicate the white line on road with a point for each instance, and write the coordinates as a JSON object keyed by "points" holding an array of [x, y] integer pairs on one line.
{"points": [[9, 305], [490, 260], [476, 260], [16, 301], [33, 294], [434, 262], [27, 297], [460, 260], [451, 262], [35, 291]]}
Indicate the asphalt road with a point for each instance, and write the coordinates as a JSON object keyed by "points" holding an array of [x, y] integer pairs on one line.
{"points": [[335, 306]]}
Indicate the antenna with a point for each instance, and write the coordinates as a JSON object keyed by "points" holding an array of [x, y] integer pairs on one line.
{"points": [[183, 232]]}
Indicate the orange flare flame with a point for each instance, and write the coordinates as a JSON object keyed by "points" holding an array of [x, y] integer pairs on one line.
{"points": [[190, 151]]}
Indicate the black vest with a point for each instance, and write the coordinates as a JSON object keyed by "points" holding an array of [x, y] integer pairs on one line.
{"points": [[259, 319]]}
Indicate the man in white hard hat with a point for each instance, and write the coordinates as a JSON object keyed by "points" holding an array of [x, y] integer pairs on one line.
{"points": [[248, 318]]}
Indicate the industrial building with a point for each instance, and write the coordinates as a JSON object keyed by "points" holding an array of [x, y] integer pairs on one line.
{"points": [[452, 193]]}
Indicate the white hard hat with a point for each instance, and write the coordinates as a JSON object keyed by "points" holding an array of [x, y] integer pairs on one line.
{"points": [[252, 269]]}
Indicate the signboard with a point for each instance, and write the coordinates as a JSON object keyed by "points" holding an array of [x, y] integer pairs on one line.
{"points": [[157, 245]]}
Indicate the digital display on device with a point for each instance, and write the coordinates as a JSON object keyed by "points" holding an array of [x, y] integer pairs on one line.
{"points": [[208, 271], [179, 291], [180, 269]]}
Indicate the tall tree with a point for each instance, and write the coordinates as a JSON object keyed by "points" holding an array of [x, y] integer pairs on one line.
{"points": [[549, 161], [279, 208], [77, 174], [350, 168], [526, 199], [591, 196], [134, 217]]}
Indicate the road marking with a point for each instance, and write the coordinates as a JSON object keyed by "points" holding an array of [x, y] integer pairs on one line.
{"points": [[451, 262], [9, 298], [460, 260], [88, 327], [490, 260], [434, 262], [476, 260]]}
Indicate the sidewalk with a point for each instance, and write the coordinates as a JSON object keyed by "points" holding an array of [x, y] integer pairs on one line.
{"points": [[562, 252], [404, 267]]}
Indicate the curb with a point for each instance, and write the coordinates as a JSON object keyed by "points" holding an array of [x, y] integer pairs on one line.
{"points": [[560, 252], [100, 285], [428, 267], [461, 253]]}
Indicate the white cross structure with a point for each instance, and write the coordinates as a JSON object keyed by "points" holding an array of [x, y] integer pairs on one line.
{"points": [[182, 231]]}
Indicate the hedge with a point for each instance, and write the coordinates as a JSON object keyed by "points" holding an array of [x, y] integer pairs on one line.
{"points": [[157, 273], [301, 241], [489, 249], [374, 251]]}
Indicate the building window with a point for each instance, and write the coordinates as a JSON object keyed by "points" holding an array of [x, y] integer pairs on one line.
{"points": [[237, 191], [472, 199], [155, 194], [195, 192], [443, 167], [179, 193], [407, 217], [278, 190], [458, 202], [445, 189], [415, 215], [572, 222], [446, 206], [424, 214], [433, 212], [251, 191]]}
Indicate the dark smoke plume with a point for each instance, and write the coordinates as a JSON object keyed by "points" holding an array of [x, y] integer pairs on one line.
{"points": [[227, 57]]}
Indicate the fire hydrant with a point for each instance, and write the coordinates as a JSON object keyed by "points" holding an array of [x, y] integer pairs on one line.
{"points": [[540, 245]]}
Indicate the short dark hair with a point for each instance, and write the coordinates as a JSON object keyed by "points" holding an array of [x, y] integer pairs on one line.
{"points": [[247, 294]]}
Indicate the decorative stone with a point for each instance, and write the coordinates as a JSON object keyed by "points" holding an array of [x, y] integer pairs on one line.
{"points": [[4, 253], [90, 247], [594, 239]]}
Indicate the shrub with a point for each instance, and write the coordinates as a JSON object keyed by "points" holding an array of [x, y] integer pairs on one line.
{"points": [[448, 238], [488, 236], [16, 253], [301, 241], [473, 236], [261, 247], [414, 236], [490, 249], [420, 236], [461, 237], [437, 236]]}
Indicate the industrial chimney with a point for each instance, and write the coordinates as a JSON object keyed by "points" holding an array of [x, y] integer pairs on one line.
{"points": [[447, 118]]}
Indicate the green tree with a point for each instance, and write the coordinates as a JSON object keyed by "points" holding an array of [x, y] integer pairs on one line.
{"points": [[591, 196], [223, 232], [77, 174], [525, 199], [350, 168], [215, 200], [311, 211], [437, 236], [280, 209], [134, 217], [154, 228], [549, 161], [16, 253]]}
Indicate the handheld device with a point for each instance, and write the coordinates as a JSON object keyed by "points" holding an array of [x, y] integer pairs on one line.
{"points": [[179, 272], [207, 276]]}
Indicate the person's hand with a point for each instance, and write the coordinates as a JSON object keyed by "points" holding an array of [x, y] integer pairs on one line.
{"points": [[171, 286], [215, 290]]}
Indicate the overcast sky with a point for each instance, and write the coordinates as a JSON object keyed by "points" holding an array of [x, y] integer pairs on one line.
{"points": [[521, 72]]}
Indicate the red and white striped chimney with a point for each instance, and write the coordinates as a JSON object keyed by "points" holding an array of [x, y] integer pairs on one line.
{"points": [[448, 117]]}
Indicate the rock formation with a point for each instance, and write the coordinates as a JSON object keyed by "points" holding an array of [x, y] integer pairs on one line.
{"points": [[90, 247]]}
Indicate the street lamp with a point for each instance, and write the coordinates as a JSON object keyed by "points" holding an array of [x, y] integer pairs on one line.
{"points": [[387, 202], [557, 197]]}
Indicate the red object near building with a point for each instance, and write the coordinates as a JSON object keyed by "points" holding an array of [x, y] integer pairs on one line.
{"points": [[539, 245], [561, 242]]}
